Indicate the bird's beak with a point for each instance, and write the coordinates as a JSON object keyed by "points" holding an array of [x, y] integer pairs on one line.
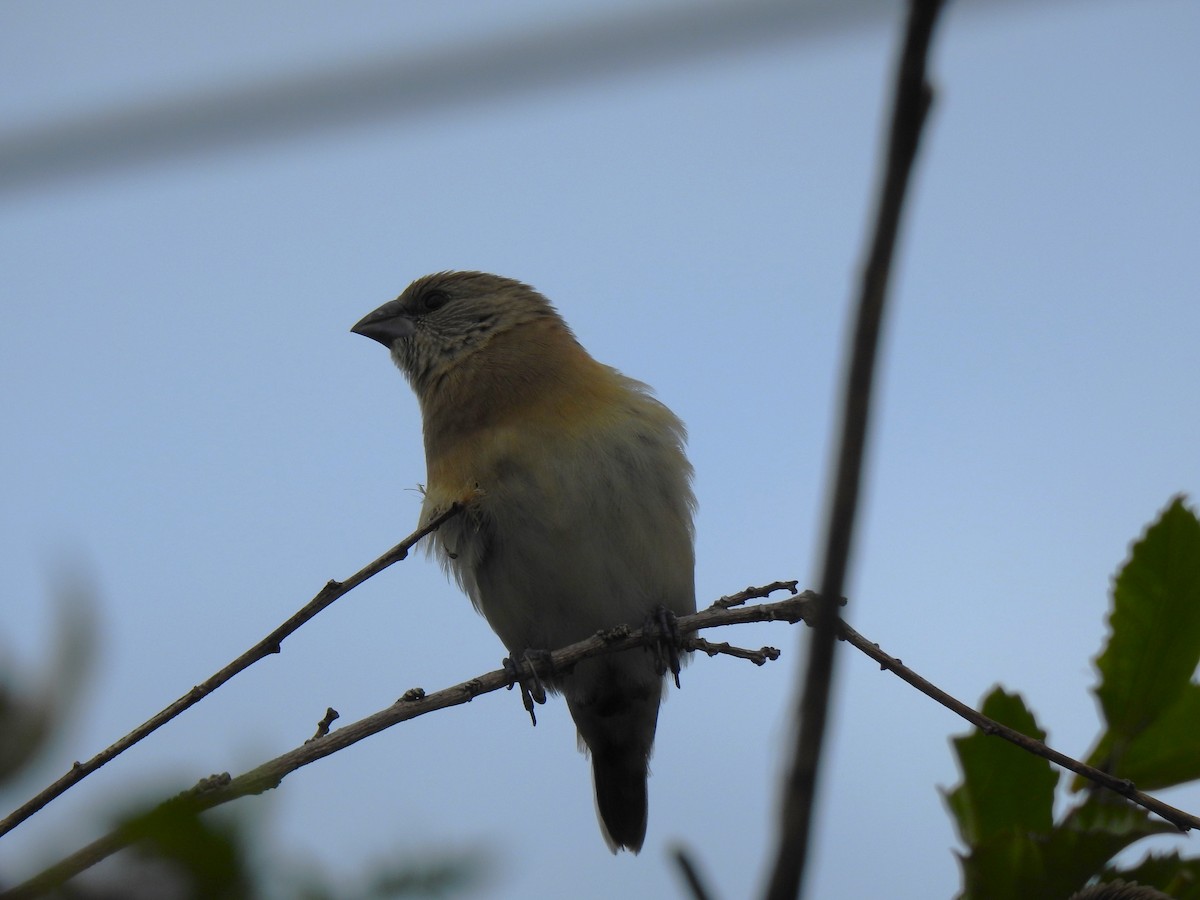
{"points": [[387, 324]]}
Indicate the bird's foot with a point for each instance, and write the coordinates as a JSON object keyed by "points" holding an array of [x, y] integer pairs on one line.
{"points": [[523, 673], [666, 647]]}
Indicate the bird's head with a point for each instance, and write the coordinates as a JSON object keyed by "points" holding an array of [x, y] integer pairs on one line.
{"points": [[443, 318]]}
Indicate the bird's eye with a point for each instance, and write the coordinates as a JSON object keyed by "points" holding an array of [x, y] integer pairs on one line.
{"points": [[435, 300]]}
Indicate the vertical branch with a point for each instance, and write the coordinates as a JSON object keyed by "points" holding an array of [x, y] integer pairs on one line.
{"points": [[911, 102]]}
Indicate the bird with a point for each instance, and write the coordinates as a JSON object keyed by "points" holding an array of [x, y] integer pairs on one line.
{"points": [[579, 509]]}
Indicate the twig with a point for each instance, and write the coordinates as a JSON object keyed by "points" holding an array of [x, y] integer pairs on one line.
{"points": [[264, 648], [756, 593], [912, 100], [219, 789], [690, 873], [1177, 817], [331, 715], [758, 657]]}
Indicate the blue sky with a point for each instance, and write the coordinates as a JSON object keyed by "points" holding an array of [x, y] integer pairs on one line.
{"points": [[191, 423]]}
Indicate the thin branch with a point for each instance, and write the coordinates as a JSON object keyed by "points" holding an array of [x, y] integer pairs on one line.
{"points": [[400, 86], [264, 648], [911, 104], [759, 657], [331, 715], [1123, 786], [690, 872], [755, 593], [220, 789]]}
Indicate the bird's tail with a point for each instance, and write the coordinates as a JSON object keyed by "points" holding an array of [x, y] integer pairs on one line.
{"points": [[614, 703], [620, 778]]}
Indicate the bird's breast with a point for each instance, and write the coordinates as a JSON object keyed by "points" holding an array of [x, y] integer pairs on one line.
{"points": [[486, 422]]}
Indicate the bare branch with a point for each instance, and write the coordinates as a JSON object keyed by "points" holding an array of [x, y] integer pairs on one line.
{"points": [[690, 872], [400, 87], [331, 716], [758, 657], [912, 100], [264, 648], [219, 789], [755, 593], [1180, 819]]}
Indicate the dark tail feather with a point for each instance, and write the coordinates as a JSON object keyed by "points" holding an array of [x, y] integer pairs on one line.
{"points": [[620, 779]]}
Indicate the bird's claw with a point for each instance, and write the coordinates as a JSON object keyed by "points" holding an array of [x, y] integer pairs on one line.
{"points": [[532, 689], [666, 647]]}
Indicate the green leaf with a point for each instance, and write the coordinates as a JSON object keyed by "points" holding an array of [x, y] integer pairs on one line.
{"points": [[1094, 832], [1013, 863], [1176, 877], [206, 854], [1155, 643], [1108, 813], [1005, 865], [1154, 648], [1004, 811], [25, 722], [1004, 789], [1168, 751], [33, 710]]}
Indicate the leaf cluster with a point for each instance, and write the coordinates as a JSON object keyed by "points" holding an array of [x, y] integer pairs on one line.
{"points": [[1004, 806]]}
